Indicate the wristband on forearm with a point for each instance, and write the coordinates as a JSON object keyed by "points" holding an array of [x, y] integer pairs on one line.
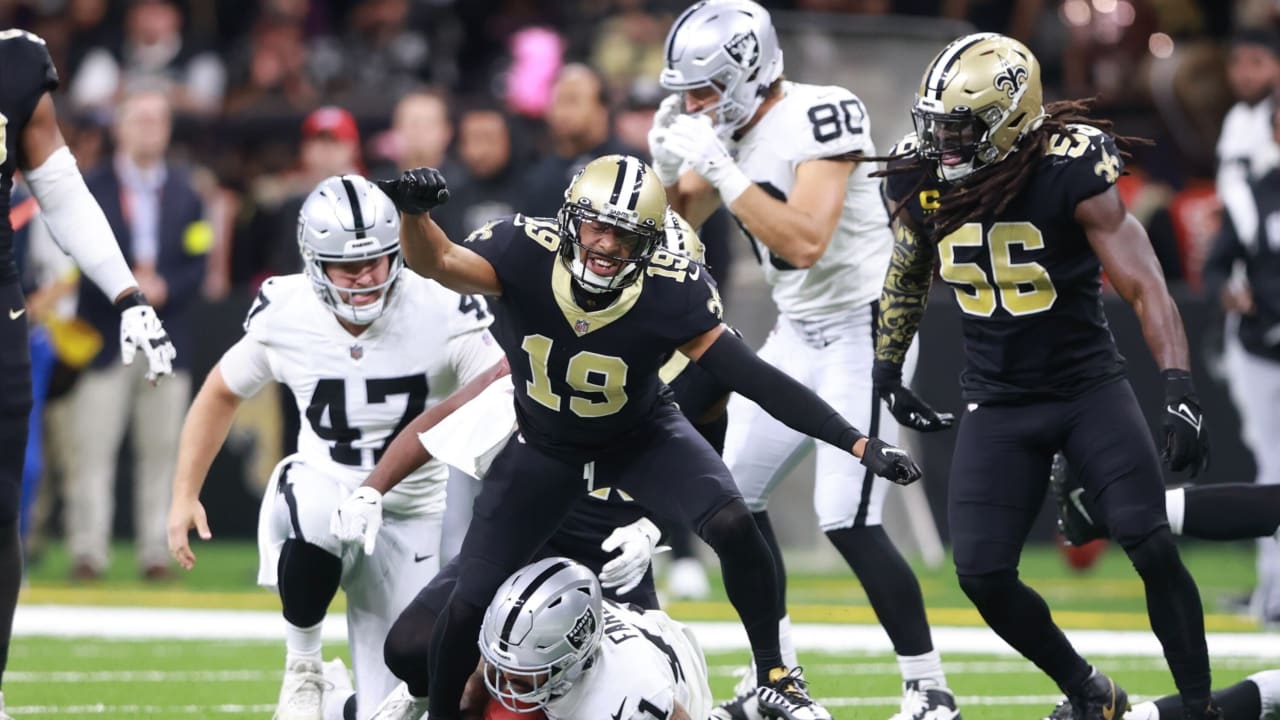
{"points": [[133, 299]]}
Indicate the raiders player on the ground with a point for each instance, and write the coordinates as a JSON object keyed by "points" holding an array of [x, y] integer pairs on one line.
{"points": [[591, 308], [549, 642], [763, 147], [31, 142], [1018, 202], [365, 348]]}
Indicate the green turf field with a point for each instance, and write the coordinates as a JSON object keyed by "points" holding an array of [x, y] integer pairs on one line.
{"points": [[95, 678]]}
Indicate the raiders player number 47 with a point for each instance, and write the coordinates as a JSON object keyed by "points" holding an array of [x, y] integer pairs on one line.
{"points": [[364, 347]]}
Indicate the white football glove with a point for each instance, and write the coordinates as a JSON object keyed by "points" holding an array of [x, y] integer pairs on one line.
{"points": [[358, 518], [140, 328], [665, 163], [695, 141], [636, 544]]}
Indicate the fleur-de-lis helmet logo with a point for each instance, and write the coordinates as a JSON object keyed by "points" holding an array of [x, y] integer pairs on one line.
{"points": [[1011, 79]]}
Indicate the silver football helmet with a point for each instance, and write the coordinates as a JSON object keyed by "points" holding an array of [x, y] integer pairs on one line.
{"points": [[541, 632], [348, 218], [728, 44]]}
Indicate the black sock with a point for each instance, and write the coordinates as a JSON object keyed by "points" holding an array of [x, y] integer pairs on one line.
{"points": [[779, 567], [308, 579], [1241, 700], [749, 581], [1021, 618], [891, 586], [1233, 511], [10, 581], [453, 658], [1173, 606]]}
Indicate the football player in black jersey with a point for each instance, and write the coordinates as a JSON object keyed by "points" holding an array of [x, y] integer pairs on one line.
{"points": [[591, 308], [1018, 203], [30, 142]]}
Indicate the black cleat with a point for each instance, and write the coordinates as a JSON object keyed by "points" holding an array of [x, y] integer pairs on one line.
{"points": [[1100, 698], [743, 707], [786, 697]]}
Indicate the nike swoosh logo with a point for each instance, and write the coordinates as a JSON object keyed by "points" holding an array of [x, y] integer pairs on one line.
{"points": [[1075, 497], [15, 314], [419, 558], [1184, 413], [621, 706]]}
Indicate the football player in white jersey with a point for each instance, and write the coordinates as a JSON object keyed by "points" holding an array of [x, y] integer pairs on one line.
{"points": [[365, 346], [776, 154], [550, 642]]}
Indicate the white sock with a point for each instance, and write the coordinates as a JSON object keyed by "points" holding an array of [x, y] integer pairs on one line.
{"points": [[1, 702], [1143, 711], [303, 642], [923, 667], [1268, 682], [335, 703], [786, 644], [1175, 506]]}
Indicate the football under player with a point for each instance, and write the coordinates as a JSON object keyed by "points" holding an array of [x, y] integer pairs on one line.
{"points": [[591, 308], [766, 149], [1018, 203], [31, 142], [365, 348], [549, 642]]}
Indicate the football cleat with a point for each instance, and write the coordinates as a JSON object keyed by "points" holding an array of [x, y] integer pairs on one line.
{"points": [[1074, 521], [786, 697], [338, 688], [1062, 711], [743, 707], [400, 705], [1100, 698], [302, 692], [928, 701]]}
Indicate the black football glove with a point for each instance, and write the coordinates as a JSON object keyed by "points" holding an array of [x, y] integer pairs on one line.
{"points": [[907, 408], [1186, 442], [416, 191], [890, 462]]}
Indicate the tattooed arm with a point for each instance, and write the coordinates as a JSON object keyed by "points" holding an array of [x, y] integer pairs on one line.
{"points": [[902, 302]]}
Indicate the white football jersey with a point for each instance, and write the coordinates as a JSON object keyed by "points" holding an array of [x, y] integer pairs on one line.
{"points": [[812, 122], [355, 392], [647, 663]]}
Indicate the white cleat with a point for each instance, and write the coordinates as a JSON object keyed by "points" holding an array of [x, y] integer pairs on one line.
{"points": [[926, 701], [687, 580], [786, 697], [400, 705], [302, 692], [338, 688], [746, 684]]}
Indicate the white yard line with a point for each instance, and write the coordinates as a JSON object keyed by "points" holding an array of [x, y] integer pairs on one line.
{"points": [[173, 623]]}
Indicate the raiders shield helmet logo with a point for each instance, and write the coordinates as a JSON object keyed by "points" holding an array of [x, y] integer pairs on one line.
{"points": [[744, 48], [582, 630]]}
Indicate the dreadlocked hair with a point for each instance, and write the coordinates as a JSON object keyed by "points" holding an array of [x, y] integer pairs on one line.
{"points": [[989, 191]]}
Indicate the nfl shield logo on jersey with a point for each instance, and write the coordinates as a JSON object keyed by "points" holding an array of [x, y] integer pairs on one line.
{"points": [[581, 326], [357, 351]]}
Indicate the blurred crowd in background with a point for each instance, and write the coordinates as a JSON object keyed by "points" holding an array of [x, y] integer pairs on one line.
{"points": [[245, 105]]}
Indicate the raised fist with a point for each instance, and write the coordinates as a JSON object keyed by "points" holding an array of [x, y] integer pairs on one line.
{"points": [[416, 191]]}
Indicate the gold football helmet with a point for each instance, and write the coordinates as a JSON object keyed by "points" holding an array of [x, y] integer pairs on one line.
{"points": [[621, 191], [977, 99], [682, 239]]}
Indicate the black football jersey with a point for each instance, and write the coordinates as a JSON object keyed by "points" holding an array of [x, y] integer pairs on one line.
{"points": [[26, 74], [586, 380], [1027, 282]]}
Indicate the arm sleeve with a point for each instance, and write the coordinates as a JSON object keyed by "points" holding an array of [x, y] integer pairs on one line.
{"points": [[246, 368], [903, 297], [1222, 256], [78, 224], [793, 404]]}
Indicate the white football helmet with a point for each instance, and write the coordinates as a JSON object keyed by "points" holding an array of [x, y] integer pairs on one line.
{"points": [[541, 632], [728, 44], [348, 218]]}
